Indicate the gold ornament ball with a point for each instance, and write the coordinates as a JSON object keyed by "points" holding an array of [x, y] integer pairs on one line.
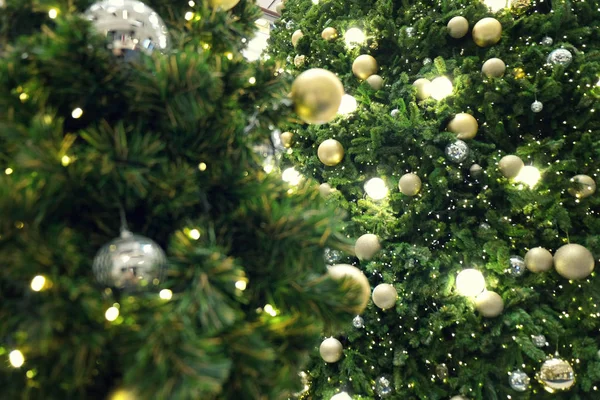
{"points": [[384, 296], [223, 4], [487, 32], [331, 350], [464, 125], [510, 166], [325, 189], [375, 81], [573, 261], [423, 88], [519, 7], [364, 66], [489, 304], [329, 33], [584, 186], [330, 152], [317, 95], [458, 27], [367, 246], [286, 139], [556, 374], [297, 35], [409, 184], [494, 68], [355, 280], [539, 259]]}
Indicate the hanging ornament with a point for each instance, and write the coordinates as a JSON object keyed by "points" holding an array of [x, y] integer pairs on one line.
{"points": [[539, 259], [317, 95], [330, 152], [329, 33], [556, 374], [296, 36], [518, 380], [582, 186], [384, 296], [489, 304], [537, 106], [423, 88], [331, 256], [464, 125], [494, 68], [355, 279], [539, 340], [331, 350], [560, 57], [130, 26], [573, 261], [364, 66], [409, 184], [457, 151], [547, 41], [410, 31], [427, 61], [383, 386], [286, 139], [487, 32], [367, 246], [510, 166], [484, 226], [395, 112], [325, 189], [516, 266], [289, 25], [458, 27], [519, 7], [299, 60], [441, 371], [375, 81], [358, 322], [475, 170]]}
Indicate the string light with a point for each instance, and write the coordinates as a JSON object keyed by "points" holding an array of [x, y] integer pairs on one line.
{"points": [[189, 16], [165, 294], [111, 314], [470, 282], [240, 285], [194, 234], [376, 188], [65, 160], [77, 113], [53, 13], [16, 358], [269, 309], [8, 171], [38, 283]]}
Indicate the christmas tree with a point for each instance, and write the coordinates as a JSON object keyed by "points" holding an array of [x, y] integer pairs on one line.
{"points": [[466, 151], [145, 252]]}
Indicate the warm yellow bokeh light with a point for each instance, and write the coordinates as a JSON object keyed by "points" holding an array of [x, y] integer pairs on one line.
{"points": [[529, 175], [38, 283], [8, 171], [470, 282], [240, 285], [111, 313], [65, 160], [194, 234], [376, 188], [189, 15], [165, 294], [77, 113], [16, 358], [269, 309], [440, 88], [53, 13]]}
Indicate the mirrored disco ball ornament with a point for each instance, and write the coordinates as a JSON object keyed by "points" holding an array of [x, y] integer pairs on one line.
{"points": [[358, 322], [547, 41], [332, 256], [457, 151], [560, 57], [537, 106], [516, 266], [518, 380], [130, 27], [556, 374], [130, 262], [383, 386], [538, 340]]}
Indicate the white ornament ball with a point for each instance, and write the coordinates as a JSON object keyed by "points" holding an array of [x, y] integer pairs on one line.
{"points": [[410, 184], [464, 125], [539, 259], [458, 27], [366, 246], [494, 68], [423, 88], [573, 261], [489, 304], [357, 280], [296, 36], [341, 396], [375, 81], [510, 166], [470, 282], [537, 106], [384, 296], [331, 350]]}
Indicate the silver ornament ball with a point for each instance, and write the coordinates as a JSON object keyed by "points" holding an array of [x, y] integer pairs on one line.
{"points": [[537, 106], [560, 57], [383, 386], [539, 340], [410, 31], [556, 374], [516, 266], [332, 256], [457, 151], [427, 61], [130, 26], [130, 262], [518, 380], [395, 112], [358, 322], [290, 25], [547, 41]]}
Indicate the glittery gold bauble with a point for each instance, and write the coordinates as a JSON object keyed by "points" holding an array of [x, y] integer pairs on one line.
{"points": [[487, 32], [364, 66], [458, 27], [556, 374], [583, 186], [409, 184], [375, 81], [223, 4], [519, 7], [329, 33], [464, 125], [494, 68], [423, 88], [519, 73], [366, 246], [331, 350], [297, 35], [489, 304], [539, 259], [384, 296], [510, 166], [330, 152], [286, 139], [573, 261], [317, 95], [354, 279]]}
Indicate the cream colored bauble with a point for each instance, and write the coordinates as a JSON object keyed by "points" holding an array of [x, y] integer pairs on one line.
{"points": [[494, 68], [539, 259], [355, 279], [330, 152], [458, 27], [297, 35], [423, 88], [331, 350], [341, 396], [364, 66], [329, 33], [223, 4], [317, 95], [464, 125], [409, 184], [325, 189], [367, 246], [584, 186], [573, 261], [510, 166], [489, 304], [286, 139], [384, 296], [487, 32], [279, 7], [375, 81]]}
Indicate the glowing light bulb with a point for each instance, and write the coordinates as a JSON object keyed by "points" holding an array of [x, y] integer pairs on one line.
{"points": [[77, 113], [188, 16], [529, 175], [53, 13], [348, 105], [165, 294], [470, 282], [194, 234], [291, 176], [8, 171], [65, 160], [496, 5], [38, 283], [111, 313], [440, 88], [376, 188], [269, 309], [240, 285], [16, 358], [202, 166], [252, 80], [354, 37]]}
